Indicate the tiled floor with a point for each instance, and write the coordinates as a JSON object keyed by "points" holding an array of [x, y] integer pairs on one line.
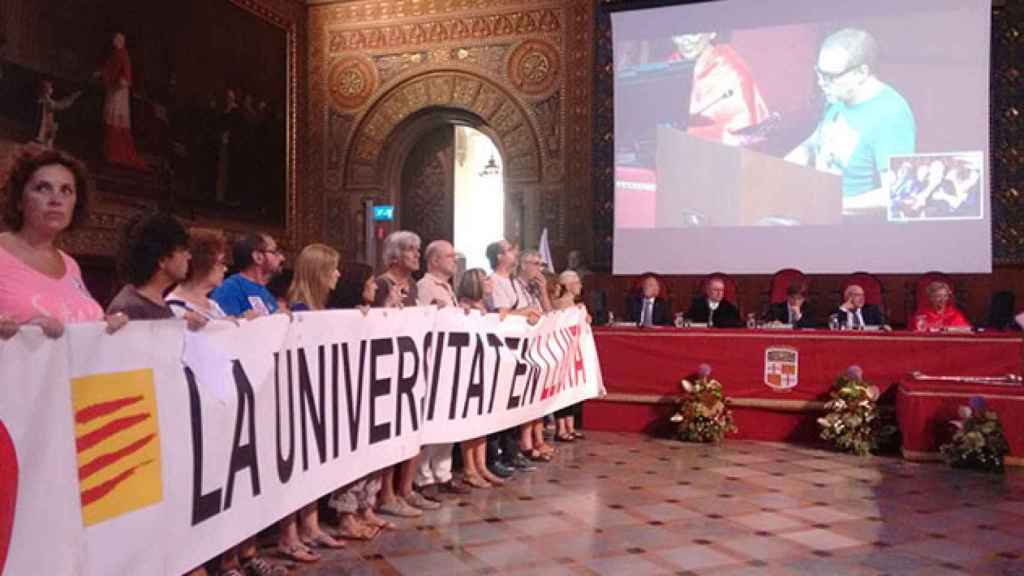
{"points": [[627, 504]]}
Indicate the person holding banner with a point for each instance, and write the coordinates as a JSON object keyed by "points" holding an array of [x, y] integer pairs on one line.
{"points": [[316, 274], [509, 296], [474, 289], [258, 259], [205, 273], [46, 193], [154, 256], [531, 276], [565, 419], [401, 254], [434, 475]]}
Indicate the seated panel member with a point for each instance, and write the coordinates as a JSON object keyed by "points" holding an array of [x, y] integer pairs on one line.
{"points": [[939, 313], [854, 313], [648, 308], [713, 309], [795, 309]]}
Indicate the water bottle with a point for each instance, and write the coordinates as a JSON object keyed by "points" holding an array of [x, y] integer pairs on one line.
{"points": [[751, 321], [833, 322]]}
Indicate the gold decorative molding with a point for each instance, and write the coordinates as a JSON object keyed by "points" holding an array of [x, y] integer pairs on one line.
{"points": [[522, 66], [438, 32], [809, 406], [533, 68], [352, 80]]}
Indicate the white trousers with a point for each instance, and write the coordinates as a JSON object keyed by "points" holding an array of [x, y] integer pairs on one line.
{"points": [[435, 465]]}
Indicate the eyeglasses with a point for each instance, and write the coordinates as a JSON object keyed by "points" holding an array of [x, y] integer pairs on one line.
{"points": [[275, 251], [830, 77]]}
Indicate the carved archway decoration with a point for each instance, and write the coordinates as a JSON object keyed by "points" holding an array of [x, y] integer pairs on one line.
{"points": [[352, 81], [516, 132], [533, 68]]}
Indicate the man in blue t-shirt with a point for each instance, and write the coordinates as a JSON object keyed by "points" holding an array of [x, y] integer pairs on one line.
{"points": [[865, 122], [245, 294]]}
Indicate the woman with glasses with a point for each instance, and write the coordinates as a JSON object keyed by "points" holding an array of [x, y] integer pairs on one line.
{"points": [[205, 273]]}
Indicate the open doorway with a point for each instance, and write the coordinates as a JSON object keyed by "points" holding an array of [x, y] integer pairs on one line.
{"points": [[479, 207]]}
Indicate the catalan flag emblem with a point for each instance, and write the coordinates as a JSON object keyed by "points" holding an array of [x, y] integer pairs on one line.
{"points": [[118, 445]]}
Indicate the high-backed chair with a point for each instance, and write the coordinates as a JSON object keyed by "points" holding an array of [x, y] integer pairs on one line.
{"points": [[921, 288], [637, 288], [874, 291], [782, 280], [730, 288]]}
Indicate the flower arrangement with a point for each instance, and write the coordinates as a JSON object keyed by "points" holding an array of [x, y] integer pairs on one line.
{"points": [[702, 414], [978, 442], [851, 422]]}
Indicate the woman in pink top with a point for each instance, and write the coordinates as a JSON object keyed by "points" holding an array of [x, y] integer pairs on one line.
{"points": [[46, 194]]}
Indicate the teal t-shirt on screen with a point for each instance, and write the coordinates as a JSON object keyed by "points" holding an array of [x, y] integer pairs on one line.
{"points": [[858, 140]]}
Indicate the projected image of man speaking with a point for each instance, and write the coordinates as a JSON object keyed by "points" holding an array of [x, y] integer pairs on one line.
{"points": [[865, 122]]}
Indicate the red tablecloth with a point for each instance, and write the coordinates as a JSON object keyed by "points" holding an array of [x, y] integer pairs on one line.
{"points": [[651, 362], [925, 409]]}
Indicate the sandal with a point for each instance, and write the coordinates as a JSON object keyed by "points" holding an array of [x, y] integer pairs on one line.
{"points": [[579, 435], [476, 481], [372, 519], [565, 438], [368, 532], [323, 541], [257, 566], [536, 455], [298, 553], [492, 479]]}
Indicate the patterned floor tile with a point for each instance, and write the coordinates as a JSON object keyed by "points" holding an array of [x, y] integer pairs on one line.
{"points": [[629, 504]]}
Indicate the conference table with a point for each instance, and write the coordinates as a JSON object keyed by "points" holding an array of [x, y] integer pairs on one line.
{"points": [[777, 380], [925, 409]]}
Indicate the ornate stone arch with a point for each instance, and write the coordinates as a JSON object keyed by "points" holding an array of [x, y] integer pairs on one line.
{"points": [[507, 120]]}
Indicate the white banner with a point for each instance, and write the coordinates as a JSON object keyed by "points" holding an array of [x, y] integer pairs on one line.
{"points": [[155, 449]]}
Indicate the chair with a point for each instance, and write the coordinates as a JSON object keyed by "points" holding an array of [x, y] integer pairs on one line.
{"points": [[874, 292], [730, 286], [782, 280], [637, 287], [1000, 312]]}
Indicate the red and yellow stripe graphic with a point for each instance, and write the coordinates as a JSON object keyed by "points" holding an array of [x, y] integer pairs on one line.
{"points": [[118, 445]]}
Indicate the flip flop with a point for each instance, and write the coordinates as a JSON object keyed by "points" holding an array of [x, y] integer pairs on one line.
{"points": [[323, 541], [373, 532], [298, 553]]}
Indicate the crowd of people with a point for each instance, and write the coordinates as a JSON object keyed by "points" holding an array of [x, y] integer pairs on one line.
{"points": [[172, 272]]}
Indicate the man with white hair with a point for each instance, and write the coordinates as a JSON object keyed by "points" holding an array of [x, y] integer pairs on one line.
{"points": [[434, 475], [712, 308], [854, 313]]}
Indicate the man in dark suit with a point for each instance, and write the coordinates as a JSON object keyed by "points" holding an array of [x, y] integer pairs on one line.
{"points": [[647, 308], [854, 313], [713, 309], [795, 309]]}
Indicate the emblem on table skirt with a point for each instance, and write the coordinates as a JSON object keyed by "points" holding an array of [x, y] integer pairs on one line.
{"points": [[781, 368]]}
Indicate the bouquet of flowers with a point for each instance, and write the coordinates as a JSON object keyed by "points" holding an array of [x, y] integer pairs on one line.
{"points": [[702, 414], [978, 441], [852, 413]]}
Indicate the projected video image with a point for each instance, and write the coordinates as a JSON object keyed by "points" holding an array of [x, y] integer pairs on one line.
{"points": [[789, 124], [936, 187]]}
